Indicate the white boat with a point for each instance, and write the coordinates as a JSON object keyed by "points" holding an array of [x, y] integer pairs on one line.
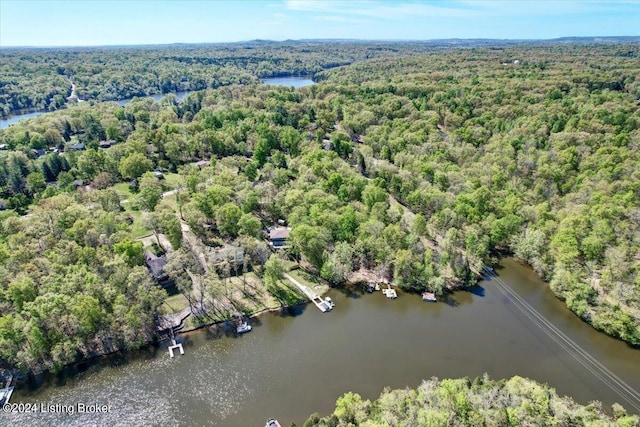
{"points": [[5, 393], [243, 327], [329, 302], [271, 422]]}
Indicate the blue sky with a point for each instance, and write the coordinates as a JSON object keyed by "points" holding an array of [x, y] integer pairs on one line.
{"points": [[95, 22]]}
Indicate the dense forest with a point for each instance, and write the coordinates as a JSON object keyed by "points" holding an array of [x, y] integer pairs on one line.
{"points": [[41, 79], [416, 168], [462, 402]]}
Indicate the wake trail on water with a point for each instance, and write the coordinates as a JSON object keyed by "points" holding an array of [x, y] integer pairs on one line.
{"points": [[594, 366]]}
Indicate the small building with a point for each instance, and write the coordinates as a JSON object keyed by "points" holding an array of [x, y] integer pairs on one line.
{"points": [[106, 144], [202, 163], [158, 174], [516, 62], [229, 253], [78, 183], [278, 236], [156, 264], [358, 139], [38, 152], [3, 147], [77, 147]]}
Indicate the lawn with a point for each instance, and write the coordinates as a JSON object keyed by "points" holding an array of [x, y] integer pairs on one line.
{"points": [[311, 280], [171, 201], [124, 190], [172, 181], [174, 304], [138, 228]]}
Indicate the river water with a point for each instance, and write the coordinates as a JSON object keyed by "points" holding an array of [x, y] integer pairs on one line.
{"points": [[298, 362], [279, 81], [8, 121], [296, 82]]}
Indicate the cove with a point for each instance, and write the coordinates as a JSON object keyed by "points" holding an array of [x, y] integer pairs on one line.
{"points": [[300, 360], [16, 117], [294, 81], [289, 81]]}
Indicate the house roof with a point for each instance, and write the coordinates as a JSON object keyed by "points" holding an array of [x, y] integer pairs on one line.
{"points": [[202, 163], [78, 146], [279, 233], [155, 264], [357, 138], [229, 253]]}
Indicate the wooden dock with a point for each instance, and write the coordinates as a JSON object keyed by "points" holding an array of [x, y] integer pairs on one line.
{"points": [[322, 305]]}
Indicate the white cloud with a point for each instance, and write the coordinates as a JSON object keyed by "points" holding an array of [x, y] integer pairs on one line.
{"points": [[386, 10], [341, 19], [415, 9], [455, 9], [314, 5]]}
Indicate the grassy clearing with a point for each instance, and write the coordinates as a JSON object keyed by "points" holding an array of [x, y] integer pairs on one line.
{"points": [[124, 190], [247, 296], [171, 181], [138, 227], [312, 281], [286, 293], [289, 265], [171, 201], [252, 296], [174, 304]]}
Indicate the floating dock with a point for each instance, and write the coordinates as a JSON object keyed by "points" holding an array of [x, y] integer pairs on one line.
{"points": [[429, 296], [390, 292], [175, 346]]}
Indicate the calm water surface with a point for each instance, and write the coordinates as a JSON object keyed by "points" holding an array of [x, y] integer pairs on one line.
{"points": [[296, 82], [16, 118], [294, 364], [280, 81]]}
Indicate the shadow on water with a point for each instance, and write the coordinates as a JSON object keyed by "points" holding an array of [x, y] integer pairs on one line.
{"points": [[448, 300], [32, 383], [476, 290], [293, 311], [351, 291]]}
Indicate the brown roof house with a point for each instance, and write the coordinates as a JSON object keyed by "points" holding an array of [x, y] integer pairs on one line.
{"points": [[156, 264], [278, 236]]}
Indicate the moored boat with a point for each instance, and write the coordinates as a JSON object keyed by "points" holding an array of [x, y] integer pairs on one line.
{"points": [[329, 302], [243, 327], [272, 422], [7, 385], [429, 296]]}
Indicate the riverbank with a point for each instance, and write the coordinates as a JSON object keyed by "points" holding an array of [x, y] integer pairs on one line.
{"points": [[284, 296], [241, 380], [467, 402], [245, 292]]}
